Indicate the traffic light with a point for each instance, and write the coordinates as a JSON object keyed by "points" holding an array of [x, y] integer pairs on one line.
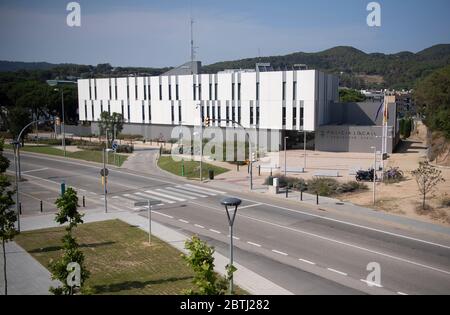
{"points": [[207, 121], [253, 157]]}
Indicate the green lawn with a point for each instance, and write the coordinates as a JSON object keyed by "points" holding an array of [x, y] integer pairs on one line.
{"points": [[87, 155], [118, 256], [191, 168]]}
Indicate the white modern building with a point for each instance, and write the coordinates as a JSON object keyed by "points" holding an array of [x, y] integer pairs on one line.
{"points": [[273, 100]]}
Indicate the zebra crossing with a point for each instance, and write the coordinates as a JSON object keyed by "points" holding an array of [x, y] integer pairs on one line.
{"points": [[168, 195]]}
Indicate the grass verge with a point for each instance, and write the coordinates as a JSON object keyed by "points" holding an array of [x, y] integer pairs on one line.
{"points": [[87, 155], [118, 256], [191, 168]]}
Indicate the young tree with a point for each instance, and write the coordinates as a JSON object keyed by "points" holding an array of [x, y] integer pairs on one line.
{"points": [[68, 213], [427, 177], [8, 217], [18, 117], [201, 260], [107, 121]]}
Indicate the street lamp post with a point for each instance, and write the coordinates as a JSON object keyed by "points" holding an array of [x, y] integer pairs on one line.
{"points": [[231, 202], [304, 150], [374, 173], [63, 126], [16, 148], [285, 157], [201, 140], [105, 176]]}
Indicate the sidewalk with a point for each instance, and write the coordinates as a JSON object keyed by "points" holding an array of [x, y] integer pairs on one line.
{"points": [[26, 276], [245, 278]]}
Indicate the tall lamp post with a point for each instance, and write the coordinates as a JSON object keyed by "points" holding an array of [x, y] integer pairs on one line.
{"points": [[231, 202], [199, 107], [16, 149], [104, 173], [285, 157], [374, 172], [63, 126]]}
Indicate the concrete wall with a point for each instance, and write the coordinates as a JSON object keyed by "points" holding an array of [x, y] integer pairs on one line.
{"points": [[350, 139]]}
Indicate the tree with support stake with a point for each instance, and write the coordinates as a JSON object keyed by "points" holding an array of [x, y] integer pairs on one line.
{"points": [[427, 177]]}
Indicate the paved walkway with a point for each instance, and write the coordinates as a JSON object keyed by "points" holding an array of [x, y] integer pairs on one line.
{"points": [[26, 276], [245, 278]]}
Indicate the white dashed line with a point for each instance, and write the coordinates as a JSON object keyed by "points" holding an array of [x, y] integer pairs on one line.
{"points": [[307, 261], [371, 284], [337, 271], [184, 221], [199, 226], [254, 244], [401, 293], [215, 231], [163, 214], [278, 252]]}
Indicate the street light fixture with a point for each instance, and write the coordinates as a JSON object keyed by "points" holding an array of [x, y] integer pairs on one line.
{"points": [[231, 202]]}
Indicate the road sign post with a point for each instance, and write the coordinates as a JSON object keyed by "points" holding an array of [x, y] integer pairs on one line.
{"points": [[148, 203]]}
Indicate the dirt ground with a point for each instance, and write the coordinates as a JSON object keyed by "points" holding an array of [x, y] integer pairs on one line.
{"points": [[404, 198]]}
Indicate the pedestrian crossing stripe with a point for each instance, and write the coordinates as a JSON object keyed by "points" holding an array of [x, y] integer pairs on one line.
{"points": [[186, 192], [196, 190], [177, 193], [161, 193], [207, 189], [153, 197]]}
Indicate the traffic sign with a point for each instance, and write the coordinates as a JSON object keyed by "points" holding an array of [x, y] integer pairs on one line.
{"points": [[114, 145], [104, 172]]}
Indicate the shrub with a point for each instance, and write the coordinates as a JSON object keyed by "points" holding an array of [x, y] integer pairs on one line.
{"points": [[125, 148], [351, 186], [393, 175], [323, 186], [123, 136], [91, 147]]}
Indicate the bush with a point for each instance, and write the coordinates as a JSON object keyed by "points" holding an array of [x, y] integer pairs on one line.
{"points": [[125, 148], [51, 141], [91, 147], [393, 175], [351, 186], [323, 186], [123, 136]]}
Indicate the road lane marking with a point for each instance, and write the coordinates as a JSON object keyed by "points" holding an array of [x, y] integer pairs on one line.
{"points": [[254, 244], [163, 214], [177, 194], [160, 193], [250, 206], [215, 231], [401, 293], [185, 192], [196, 190], [36, 170], [184, 221], [307, 261], [199, 226], [206, 189], [147, 196], [234, 237], [278, 252], [371, 284], [337, 271], [352, 224], [332, 240]]}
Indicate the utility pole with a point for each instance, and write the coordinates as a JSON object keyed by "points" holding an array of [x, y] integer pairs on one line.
{"points": [[374, 173], [304, 150]]}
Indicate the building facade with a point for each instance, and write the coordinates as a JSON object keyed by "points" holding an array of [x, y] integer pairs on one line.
{"points": [[275, 100]]}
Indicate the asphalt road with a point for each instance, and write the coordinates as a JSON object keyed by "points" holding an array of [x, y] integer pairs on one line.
{"points": [[301, 249]]}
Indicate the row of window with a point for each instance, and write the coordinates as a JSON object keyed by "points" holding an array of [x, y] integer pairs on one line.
{"points": [[213, 113], [195, 88]]}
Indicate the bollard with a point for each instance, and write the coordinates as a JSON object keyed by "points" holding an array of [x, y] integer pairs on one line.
{"points": [[259, 170], [84, 202], [20, 208], [42, 207], [317, 199], [287, 192], [237, 165], [301, 195], [271, 173]]}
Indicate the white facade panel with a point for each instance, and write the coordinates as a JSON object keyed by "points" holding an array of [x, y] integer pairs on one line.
{"points": [[313, 89]]}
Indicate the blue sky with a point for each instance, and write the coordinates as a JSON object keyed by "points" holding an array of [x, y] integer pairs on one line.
{"points": [[156, 32]]}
